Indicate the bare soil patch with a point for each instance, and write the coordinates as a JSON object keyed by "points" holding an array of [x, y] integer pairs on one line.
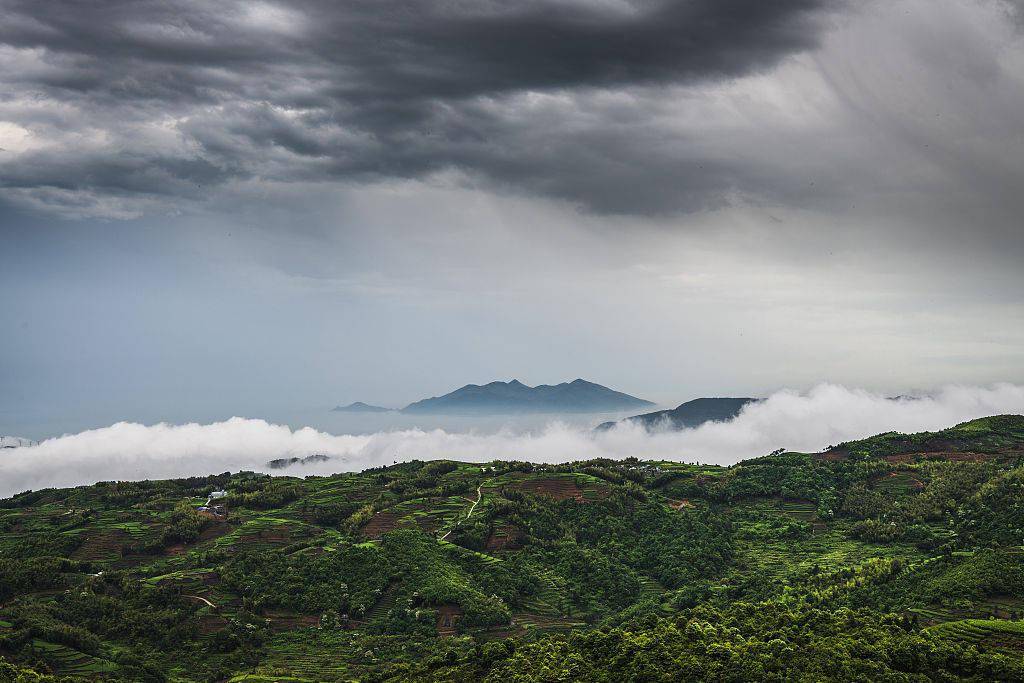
{"points": [[380, 524], [103, 545], [953, 456], [832, 456], [276, 536], [558, 488], [285, 621], [505, 537], [214, 531], [447, 617], [211, 623]]}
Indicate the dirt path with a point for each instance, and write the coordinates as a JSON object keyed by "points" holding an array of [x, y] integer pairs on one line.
{"points": [[479, 495], [201, 599]]}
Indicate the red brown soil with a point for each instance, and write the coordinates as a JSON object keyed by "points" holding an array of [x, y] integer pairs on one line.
{"points": [[285, 621], [428, 524], [447, 617], [380, 524], [952, 456], [103, 545], [912, 481], [211, 623], [1004, 641], [208, 578], [679, 504], [831, 456], [208, 534], [498, 633], [505, 537], [560, 488], [130, 561], [214, 531], [278, 536], [938, 454]]}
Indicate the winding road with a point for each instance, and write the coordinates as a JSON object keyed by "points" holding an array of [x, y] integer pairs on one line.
{"points": [[198, 597], [479, 495]]}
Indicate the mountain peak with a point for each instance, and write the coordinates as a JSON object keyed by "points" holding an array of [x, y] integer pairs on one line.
{"points": [[498, 398], [360, 407]]}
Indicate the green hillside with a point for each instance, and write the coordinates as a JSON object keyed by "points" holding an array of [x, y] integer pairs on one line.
{"points": [[897, 558]]}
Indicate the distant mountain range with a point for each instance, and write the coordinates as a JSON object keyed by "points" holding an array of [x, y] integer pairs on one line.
{"points": [[690, 414], [360, 407], [578, 396]]}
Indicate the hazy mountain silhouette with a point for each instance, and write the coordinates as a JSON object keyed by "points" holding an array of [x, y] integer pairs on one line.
{"points": [[360, 407], [578, 396]]}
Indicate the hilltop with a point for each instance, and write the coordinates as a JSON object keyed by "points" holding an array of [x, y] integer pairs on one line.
{"points": [[899, 557], [688, 415], [987, 435], [578, 396], [360, 407]]}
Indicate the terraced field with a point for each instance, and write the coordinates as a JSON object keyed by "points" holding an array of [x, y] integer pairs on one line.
{"points": [[1000, 634], [380, 524], [575, 486], [68, 661], [505, 537], [898, 483], [450, 571], [102, 546], [548, 600]]}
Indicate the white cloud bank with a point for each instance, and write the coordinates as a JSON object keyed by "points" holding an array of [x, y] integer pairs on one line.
{"points": [[810, 421]]}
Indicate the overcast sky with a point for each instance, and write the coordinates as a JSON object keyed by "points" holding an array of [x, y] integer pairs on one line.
{"points": [[253, 208]]}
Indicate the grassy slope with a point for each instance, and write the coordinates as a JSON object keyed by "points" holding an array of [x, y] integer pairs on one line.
{"points": [[882, 524]]}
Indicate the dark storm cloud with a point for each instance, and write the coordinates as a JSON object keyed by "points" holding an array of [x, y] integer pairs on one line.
{"points": [[152, 100], [397, 50], [462, 49]]}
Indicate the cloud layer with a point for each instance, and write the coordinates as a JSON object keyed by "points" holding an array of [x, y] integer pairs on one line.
{"points": [[902, 114], [810, 421], [116, 108]]}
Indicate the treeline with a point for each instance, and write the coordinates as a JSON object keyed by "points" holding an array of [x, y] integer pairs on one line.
{"points": [[770, 641]]}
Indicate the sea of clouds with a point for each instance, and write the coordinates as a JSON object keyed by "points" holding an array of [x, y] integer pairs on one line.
{"points": [[803, 421]]}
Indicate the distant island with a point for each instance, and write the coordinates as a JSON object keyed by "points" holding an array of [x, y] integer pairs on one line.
{"points": [[578, 396], [281, 463], [360, 407], [690, 414]]}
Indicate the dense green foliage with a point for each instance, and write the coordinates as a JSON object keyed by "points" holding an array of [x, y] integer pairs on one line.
{"points": [[899, 557]]}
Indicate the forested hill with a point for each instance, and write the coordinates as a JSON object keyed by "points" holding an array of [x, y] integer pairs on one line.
{"points": [[514, 397], [895, 558], [688, 415]]}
